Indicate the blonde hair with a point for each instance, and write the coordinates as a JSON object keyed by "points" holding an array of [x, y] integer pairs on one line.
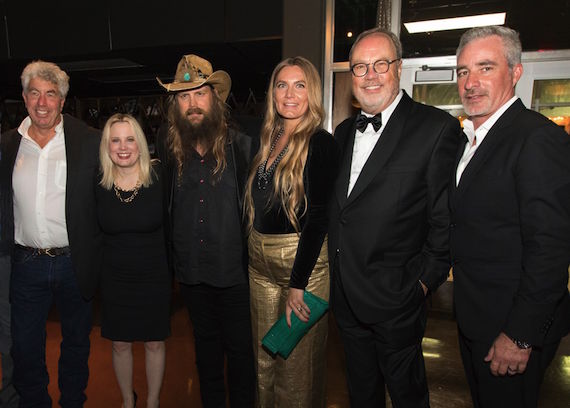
{"points": [[288, 185], [108, 168]]}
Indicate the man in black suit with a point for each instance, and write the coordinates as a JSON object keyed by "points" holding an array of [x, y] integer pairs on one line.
{"points": [[47, 179], [389, 226], [510, 235]]}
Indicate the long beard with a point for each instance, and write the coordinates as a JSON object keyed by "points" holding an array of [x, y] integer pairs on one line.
{"points": [[204, 133]]}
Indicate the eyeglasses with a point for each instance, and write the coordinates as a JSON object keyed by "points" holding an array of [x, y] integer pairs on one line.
{"points": [[380, 67]]}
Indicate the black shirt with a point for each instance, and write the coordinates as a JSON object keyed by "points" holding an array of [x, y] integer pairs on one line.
{"points": [[206, 225], [319, 176]]}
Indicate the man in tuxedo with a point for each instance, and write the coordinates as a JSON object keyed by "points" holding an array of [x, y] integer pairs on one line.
{"points": [[389, 226], [47, 183], [510, 219]]}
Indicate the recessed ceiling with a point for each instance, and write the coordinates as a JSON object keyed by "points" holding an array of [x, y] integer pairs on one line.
{"points": [[542, 25]]}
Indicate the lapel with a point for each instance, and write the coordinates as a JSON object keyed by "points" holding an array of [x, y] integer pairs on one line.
{"points": [[383, 149], [72, 157], [12, 148], [347, 144], [486, 149], [9, 152], [453, 175]]}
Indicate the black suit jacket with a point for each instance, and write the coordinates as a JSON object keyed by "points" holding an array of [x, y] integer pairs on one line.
{"points": [[82, 156], [510, 241], [393, 228]]}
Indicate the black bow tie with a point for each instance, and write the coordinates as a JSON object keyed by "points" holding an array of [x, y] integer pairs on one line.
{"points": [[362, 122]]}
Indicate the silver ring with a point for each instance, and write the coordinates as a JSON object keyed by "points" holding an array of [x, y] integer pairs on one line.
{"points": [[300, 309]]}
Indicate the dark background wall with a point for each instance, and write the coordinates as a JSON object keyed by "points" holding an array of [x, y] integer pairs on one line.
{"points": [[118, 47]]}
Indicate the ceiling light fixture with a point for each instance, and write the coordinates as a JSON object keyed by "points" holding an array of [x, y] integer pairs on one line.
{"points": [[456, 23]]}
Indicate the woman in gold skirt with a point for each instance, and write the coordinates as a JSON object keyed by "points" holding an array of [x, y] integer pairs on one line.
{"points": [[286, 199]]}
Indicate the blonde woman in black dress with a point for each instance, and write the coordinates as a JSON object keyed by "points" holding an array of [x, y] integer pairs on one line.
{"points": [[135, 283]]}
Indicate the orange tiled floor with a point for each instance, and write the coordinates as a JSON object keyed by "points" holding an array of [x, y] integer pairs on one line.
{"points": [[448, 388]]}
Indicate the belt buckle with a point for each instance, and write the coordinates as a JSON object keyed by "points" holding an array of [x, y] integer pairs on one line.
{"points": [[47, 251]]}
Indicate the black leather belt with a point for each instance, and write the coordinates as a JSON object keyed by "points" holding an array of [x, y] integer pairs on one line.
{"points": [[53, 252]]}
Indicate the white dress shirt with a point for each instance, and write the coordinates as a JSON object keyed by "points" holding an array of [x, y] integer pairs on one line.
{"points": [[364, 142], [39, 181], [480, 134]]}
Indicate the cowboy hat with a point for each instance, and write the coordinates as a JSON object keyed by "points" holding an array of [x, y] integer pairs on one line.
{"points": [[193, 72]]}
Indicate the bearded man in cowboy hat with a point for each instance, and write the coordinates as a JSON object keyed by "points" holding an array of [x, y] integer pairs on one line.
{"points": [[207, 164]]}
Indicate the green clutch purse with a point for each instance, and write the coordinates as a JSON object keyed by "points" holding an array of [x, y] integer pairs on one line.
{"points": [[282, 339]]}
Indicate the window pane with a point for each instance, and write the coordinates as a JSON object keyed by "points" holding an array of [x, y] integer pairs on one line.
{"points": [[442, 96], [436, 94], [551, 97], [351, 16]]}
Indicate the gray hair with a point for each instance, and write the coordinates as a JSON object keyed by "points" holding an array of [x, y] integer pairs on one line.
{"points": [[48, 71], [509, 37], [378, 31]]}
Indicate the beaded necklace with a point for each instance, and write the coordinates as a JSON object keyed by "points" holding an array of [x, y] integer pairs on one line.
{"points": [[263, 174]]}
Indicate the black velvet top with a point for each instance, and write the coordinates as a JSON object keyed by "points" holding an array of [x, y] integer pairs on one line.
{"points": [[318, 177]]}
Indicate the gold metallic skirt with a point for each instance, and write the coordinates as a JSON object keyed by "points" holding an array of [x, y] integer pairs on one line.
{"points": [[300, 380]]}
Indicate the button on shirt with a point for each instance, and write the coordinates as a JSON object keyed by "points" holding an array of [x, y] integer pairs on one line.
{"points": [[364, 142], [479, 134], [207, 235], [39, 180]]}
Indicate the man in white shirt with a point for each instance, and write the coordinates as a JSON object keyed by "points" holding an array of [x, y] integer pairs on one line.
{"points": [[389, 226], [47, 179], [510, 246]]}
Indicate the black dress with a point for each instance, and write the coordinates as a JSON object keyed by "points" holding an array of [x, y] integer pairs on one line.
{"points": [[135, 282]]}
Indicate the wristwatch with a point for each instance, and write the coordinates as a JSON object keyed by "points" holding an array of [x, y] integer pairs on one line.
{"points": [[521, 344]]}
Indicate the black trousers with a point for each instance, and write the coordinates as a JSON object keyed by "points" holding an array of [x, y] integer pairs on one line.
{"points": [[489, 391], [375, 359], [222, 329]]}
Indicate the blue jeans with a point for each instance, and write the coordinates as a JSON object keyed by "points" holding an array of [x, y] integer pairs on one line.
{"points": [[38, 280]]}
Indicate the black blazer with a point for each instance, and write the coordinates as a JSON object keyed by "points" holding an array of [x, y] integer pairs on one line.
{"points": [[82, 156], [393, 228], [510, 241]]}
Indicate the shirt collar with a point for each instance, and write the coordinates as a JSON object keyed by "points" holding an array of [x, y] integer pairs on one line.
{"points": [[27, 122], [482, 130]]}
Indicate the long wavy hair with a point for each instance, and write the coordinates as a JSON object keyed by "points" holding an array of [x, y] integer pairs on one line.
{"points": [[288, 186], [174, 139], [108, 168]]}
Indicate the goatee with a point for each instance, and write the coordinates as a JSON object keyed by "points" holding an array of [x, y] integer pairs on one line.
{"points": [[203, 133]]}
